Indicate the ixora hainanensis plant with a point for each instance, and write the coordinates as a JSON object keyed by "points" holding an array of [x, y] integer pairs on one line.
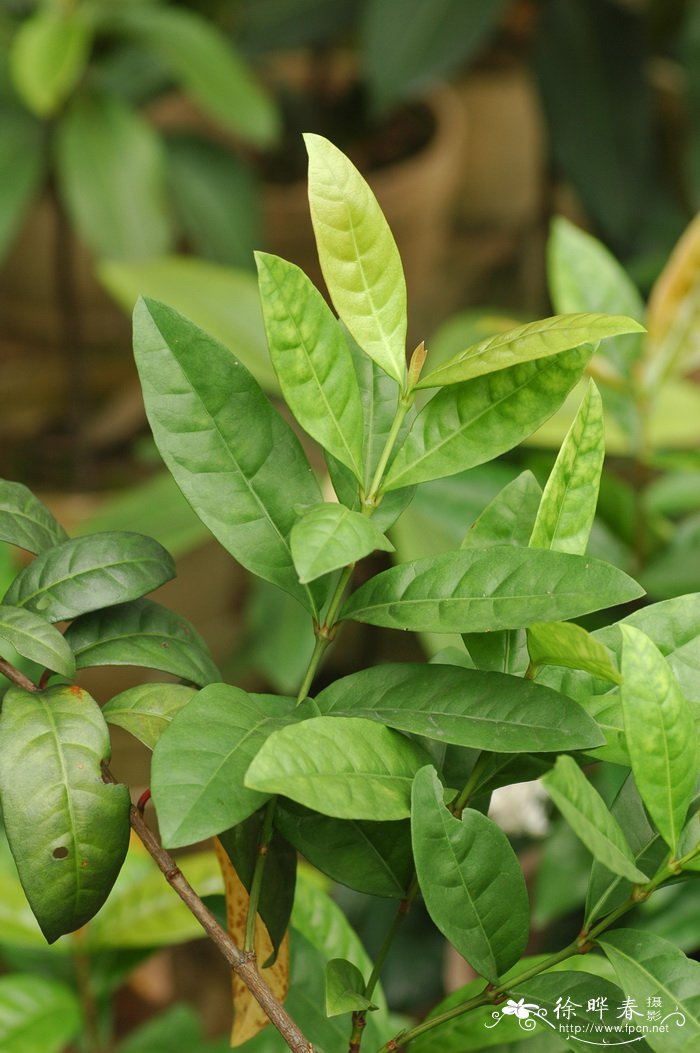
{"points": [[382, 779]]}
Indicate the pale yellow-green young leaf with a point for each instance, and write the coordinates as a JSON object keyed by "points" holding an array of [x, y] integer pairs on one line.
{"points": [[358, 256], [660, 732], [568, 505], [548, 336], [569, 645], [47, 58]]}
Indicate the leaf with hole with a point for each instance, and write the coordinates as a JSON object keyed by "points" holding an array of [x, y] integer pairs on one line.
{"points": [[466, 424], [87, 573], [340, 766], [535, 340], [25, 521], [358, 256], [142, 633], [587, 814], [568, 505], [660, 734], [480, 590], [200, 760], [470, 878], [465, 707], [68, 830], [33, 638], [145, 711], [312, 360], [237, 462], [330, 536]]}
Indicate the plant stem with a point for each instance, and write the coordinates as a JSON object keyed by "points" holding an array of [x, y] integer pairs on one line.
{"points": [[258, 873], [581, 945], [242, 962], [324, 637], [15, 676], [404, 406], [465, 796], [359, 1018]]}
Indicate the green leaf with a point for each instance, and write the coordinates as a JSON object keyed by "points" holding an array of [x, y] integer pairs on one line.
{"points": [[567, 644], [550, 990], [660, 733], [569, 500], [48, 56], [467, 424], [504, 651], [111, 177], [479, 590], [344, 988], [142, 910], [22, 164], [470, 878], [358, 256], [68, 830], [25, 521], [224, 301], [37, 1014], [466, 707], [312, 360], [607, 890], [340, 766], [216, 200], [434, 41], [585, 276], [147, 709], [279, 876], [322, 922], [330, 536], [587, 814], [87, 573], [509, 518], [649, 966], [237, 462], [199, 762], [33, 638], [142, 633], [370, 857], [207, 67], [674, 625], [548, 336]]}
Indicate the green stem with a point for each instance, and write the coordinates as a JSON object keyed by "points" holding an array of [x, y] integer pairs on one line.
{"points": [[359, 1018], [81, 962], [465, 796], [405, 404], [258, 874], [581, 945]]}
